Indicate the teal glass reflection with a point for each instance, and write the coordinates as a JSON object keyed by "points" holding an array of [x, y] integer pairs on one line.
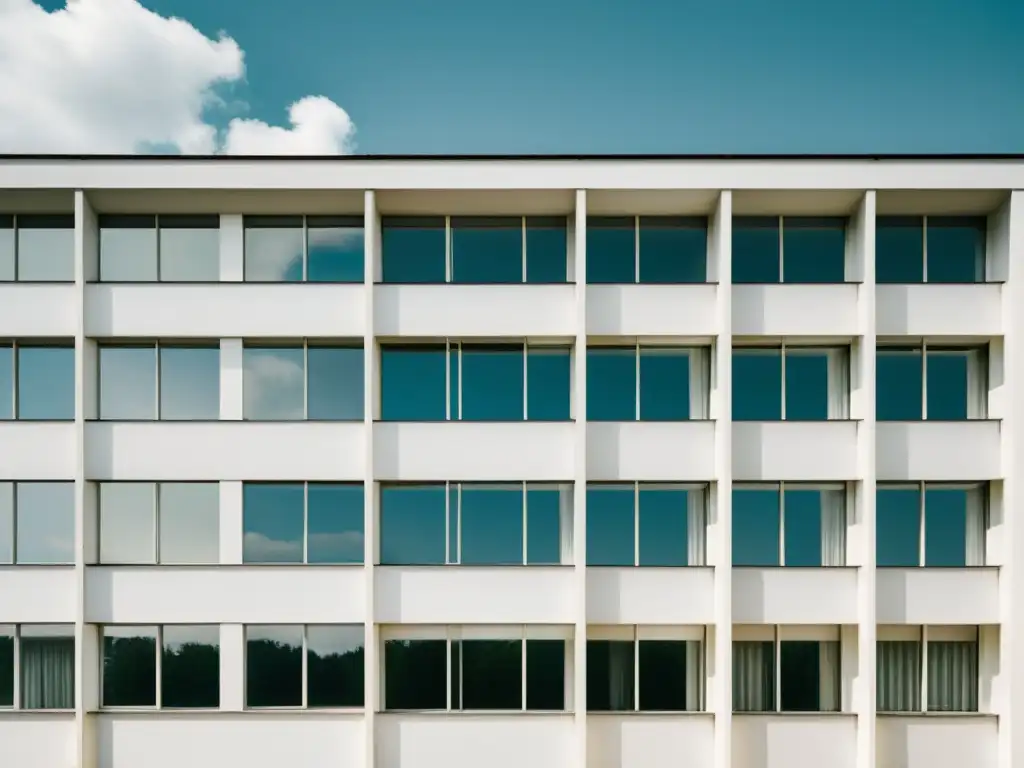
{"points": [[611, 533], [6, 381], [813, 250], [413, 383], [544, 504], [755, 527], [190, 383], [899, 249], [273, 249], [334, 523], [273, 524], [948, 373], [898, 386], [128, 383], [487, 249], [803, 527], [45, 523], [663, 526], [413, 249], [673, 249], [755, 249], [611, 249], [128, 248], [807, 391], [611, 383], [756, 384], [6, 523], [492, 383], [548, 383], [334, 249], [898, 527], [7, 248], [664, 384], [189, 249], [335, 383], [956, 249], [273, 383], [546, 249], [46, 383], [46, 248], [491, 524], [412, 524], [945, 527]]}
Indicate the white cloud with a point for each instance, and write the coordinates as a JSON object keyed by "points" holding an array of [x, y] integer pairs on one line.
{"points": [[109, 76]]}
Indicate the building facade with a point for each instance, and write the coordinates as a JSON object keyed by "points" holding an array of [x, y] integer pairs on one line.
{"points": [[560, 462]]}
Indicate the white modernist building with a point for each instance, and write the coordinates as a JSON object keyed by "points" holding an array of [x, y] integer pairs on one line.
{"points": [[564, 462]]}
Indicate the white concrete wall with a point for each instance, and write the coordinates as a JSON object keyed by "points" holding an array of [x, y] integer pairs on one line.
{"points": [[795, 741], [651, 740]]}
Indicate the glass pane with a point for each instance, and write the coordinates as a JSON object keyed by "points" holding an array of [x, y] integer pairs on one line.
{"points": [[611, 250], [413, 383], [273, 666], [272, 522], [663, 529], [127, 523], [6, 523], [898, 527], [610, 675], [46, 383], [800, 675], [190, 667], [334, 660], [335, 383], [807, 390], [610, 525], [662, 675], [755, 250], [127, 383], [545, 675], [948, 385], [45, 523], [129, 666], [492, 674], [952, 676], [486, 250], [898, 676], [755, 527], [7, 251], [544, 505], [548, 383], [129, 254], [413, 250], [664, 385], [492, 383], [546, 250], [611, 383], [898, 386], [273, 254], [415, 674], [803, 527], [412, 524], [6, 381], [273, 383], [190, 383], [956, 250], [673, 250], [6, 665], [190, 249], [491, 525], [46, 253], [336, 253], [335, 523], [47, 657], [945, 527], [756, 385], [753, 676], [813, 250], [899, 249], [189, 523]]}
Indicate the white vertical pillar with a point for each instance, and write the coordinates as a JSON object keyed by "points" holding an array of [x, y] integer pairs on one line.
{"points": [[861, 551], [231, 532], [232, 667], [579, 517], [231, 392], [232, 249], [719, 549]]}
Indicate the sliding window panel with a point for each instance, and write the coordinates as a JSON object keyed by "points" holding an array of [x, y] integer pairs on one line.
{"points": [[673, 249], [487, 250], [334, 249], [189, 248], [274, 249], [611, 250], [413, 249]]}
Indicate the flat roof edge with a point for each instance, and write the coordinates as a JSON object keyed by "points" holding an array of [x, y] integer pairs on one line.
{"points": [[496, 157]]}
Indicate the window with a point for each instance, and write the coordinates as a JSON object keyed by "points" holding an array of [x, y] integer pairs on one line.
{"points": [[175, 665], [475, 524], [475, 382], [37, 382], [175, 382], [646, 524], [948, 654], [789, 524], [792, 383], [930, 249], [302, 523], [637, 383], [474, 249], [475, 668], [645, 669], [37, 248], [788, 249], [37, 523], [647, 249], [296, 382], [295, 249], [37, 666], [931, 524], [804, 660], [931, 382], [169, 523], [176, 249]]}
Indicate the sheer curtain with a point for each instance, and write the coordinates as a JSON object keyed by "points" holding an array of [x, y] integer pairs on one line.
{"points": [[839, 383], [620, 675], [828, 676], [696, 526], [48, 673], [898, 676], [952, 676], [700, 383], [694, 675], [833, 527], [975, 526], [753, 675]]}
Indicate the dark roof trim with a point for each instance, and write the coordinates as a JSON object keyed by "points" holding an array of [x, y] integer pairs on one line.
{"points": [[538, 157]]}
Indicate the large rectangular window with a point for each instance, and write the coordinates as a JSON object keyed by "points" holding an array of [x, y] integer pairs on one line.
{"points": [[930, 669], [37, 523], [789, 524], [166, 248], [174, 382], [640, 383], [788, 249], [305, 381], [37, 666], [940, 383], [643, 669], [37, 381], [793, 383], [933, 525], [295, 249], [786, 669], [37, 247], [302, 523], [647, 249], [930, 249]]}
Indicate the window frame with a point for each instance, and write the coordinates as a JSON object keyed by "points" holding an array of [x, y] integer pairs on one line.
{"points": [[923, 635], [62, 221], [979, 361], [697, 222], [15, 510], [139, 221], [981, 266], [17, 630], [984, 490], [838, 366], [262, 221], [780, 220], [16, 345]]}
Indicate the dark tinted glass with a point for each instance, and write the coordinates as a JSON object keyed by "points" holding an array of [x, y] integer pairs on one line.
{"points": [[335, 383], [807, 386], [898, 527], [548, 383], [334, 522], [755, 527], [545, 675], [663, 529], [412, 524], [413, 383], [800, 675], [273, 666], [813, 250], [543, 523], [611, 383], [492, 383], [673, 249], [491, 524], [756, 384], [492, 674], [610, 675], [190, 667], [334, 661], [611, 250], [413, 250], [334, 250], [662, 675], [546, 249], [803, 527], [755, 249], [610, 525], [956, 249], [948, 385], [487, 250], [898, 387], [664, 385], [945, 527], [899, 249], [129, 666], [415, 674], [273, 522]]}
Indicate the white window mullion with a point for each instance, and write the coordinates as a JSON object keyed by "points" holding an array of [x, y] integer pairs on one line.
{"points": [[458, 547], [449, 416], [448, 249], [524, 247], [636, 524], [156, 363], [636, 249], [459, 385], [782, 383], [526, 531], [15, 354], [636, 668], [526, 380], [156, 223], [782, 262], [782, 524], [305, 379], [924, 248], [305, 522], [156, 523], [447, 523], [924, 380], [921, 532], [636, 382], [522, 648], [305, 249]]}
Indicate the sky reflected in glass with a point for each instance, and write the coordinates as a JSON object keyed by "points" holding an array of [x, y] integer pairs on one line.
{"points": [[273, 383], [189, 523], [128, 249], [334, 250], [127, 383], [46, 248], [190, 249], [335, 388], [46, 523], [127, 523], [190, 383], [46, 383], [335, 523], [412, 525], [273, 522], [273, 249]]}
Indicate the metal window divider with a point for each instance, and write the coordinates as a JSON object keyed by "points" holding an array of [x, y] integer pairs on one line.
{"points": [[156, 353], [924, 379], [523, 243], [782, 378], [782, 523], [449, 267], [526, 531], [522, 649], [636, 523], [636, 381], [636, 249], [526, 380], [305, 378], [458, 546], [305, 523], [15, 370], [636, 668], [17, 255], [922, 541], [17, 700], [14, 521], [924, 248], [156, 522], [156, 225]]}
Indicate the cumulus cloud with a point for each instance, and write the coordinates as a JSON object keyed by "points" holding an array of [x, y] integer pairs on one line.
{"points": [[109, 76]]}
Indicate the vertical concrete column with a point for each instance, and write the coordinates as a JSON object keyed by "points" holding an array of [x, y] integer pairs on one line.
{"points": [[578, 244], [232, 667]]}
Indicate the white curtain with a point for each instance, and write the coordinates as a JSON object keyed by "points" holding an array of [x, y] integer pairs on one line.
{"points": [[48, 673], [977, 384], [839, 383], [620, 675], [753, 675], [828, 676], [565, 518], [696, 526], [833, 527], [952, 676], [700, 383], [694, 675], [898, 676], [975, 527]]}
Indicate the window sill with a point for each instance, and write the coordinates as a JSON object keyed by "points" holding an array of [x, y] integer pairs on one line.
{"points": [[973, 282], [649, 713], [958, 715], [470, 285], [474, 566], [667, 283], [809, 283], [478, 712], [21, 711], [779, 713]]}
